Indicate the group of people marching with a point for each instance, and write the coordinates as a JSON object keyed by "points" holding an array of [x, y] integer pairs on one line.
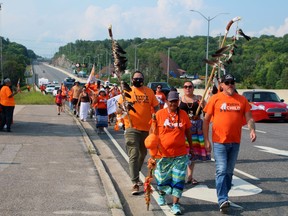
{"points": [[183, 136], [82, 99]]}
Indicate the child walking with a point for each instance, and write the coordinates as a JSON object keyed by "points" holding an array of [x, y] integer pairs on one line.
{"points": [[58, 101]]}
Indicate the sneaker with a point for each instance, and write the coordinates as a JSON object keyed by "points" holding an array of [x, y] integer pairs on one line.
{"points": [[224, 206], [139, 183], [135, 189], [161, 200], [176, 209]]}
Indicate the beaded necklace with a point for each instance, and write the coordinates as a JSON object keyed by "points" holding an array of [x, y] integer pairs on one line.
{"points": [[190, 111], [172, 118]]}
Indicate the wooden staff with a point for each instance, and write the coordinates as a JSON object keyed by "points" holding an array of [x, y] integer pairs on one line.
{"points": [[214, 67], [117, 67]]}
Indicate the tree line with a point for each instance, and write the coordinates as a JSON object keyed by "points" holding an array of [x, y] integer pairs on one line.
{"points": [[15, 59], [258, 63]]}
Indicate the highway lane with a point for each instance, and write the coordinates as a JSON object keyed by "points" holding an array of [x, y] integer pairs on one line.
{"points": [[261, 182]]}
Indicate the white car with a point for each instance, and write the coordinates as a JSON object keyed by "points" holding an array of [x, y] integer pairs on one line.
{"points": [[49, 89], [55, 90]]}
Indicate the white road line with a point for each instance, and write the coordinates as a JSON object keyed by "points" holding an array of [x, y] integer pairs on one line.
{"points": [[166, 209], [259, 131]]}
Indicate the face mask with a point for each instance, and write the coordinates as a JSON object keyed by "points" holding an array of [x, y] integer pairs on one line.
{"points": [[137, 82]]}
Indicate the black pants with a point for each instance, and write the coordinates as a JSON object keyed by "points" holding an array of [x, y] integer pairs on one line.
{"points": [[7, 116]]}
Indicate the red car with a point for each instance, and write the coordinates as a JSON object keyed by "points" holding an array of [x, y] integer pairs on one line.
{"points": [[266, 105]]}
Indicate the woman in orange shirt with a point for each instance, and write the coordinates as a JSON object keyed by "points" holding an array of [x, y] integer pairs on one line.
{"points": [[100, 104], [174, 125], [8, 105]]}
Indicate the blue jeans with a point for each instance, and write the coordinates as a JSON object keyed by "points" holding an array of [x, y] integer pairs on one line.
{"points": [[225, 158]]}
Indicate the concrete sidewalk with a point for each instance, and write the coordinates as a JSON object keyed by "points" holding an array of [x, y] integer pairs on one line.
{"points": [[46, 168]]}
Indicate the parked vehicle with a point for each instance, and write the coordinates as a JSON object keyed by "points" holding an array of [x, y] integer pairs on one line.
{"points": [[165, 86], [274, 107], [69, 82]]}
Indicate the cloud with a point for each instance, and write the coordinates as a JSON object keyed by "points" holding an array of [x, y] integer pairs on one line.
{"points": [[278, 32]]}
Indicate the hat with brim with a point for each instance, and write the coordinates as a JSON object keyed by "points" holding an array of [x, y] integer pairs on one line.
{"points": [[227, 77], [172, 96]]}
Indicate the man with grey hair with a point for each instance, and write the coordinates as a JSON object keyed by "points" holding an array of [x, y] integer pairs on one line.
{"points": [[8, 104]]}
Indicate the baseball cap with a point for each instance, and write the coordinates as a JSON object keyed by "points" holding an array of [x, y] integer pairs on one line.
{"points": [[173, 95], [227, 77]]}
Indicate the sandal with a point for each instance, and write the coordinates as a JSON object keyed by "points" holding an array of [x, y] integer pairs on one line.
{"points": [[192, 181]]}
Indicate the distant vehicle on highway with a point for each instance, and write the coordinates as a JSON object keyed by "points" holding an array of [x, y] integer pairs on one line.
{"points": [[49, 89], [187, 76], [55, 90], [82, 74], [69, 82], [274, 107], [55, 82], [165, 86]]}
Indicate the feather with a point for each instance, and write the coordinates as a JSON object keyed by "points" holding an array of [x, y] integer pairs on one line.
{"points": [[244, 35], [130, 106], [125, 86], [127, 95], [119, 49], [211, 62], [219, 55], [223, 49]]}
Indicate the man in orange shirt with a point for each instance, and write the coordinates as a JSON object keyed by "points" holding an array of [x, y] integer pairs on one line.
{"points": [[143, 99], [8, 105], [227, 109]]}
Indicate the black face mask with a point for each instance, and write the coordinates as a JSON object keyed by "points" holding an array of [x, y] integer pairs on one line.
{"points": [[137, 82]]}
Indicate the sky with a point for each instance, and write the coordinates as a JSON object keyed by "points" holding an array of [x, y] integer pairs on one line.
{"points": [[45, 25]]}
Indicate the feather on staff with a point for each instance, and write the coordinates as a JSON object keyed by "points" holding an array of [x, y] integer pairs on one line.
{"points": [[227, 29], [120, 66]]}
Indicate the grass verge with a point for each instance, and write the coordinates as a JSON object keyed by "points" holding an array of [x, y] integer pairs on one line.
{"points": [[33, 97]]}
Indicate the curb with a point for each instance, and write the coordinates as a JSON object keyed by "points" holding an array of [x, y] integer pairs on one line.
{"points": [[114, 202]]}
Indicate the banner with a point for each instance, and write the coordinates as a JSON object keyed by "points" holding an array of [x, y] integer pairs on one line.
{"points": [[112, 104]]}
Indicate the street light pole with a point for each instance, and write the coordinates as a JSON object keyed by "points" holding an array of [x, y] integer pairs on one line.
{"points": [[208, 19], [168, 65]]}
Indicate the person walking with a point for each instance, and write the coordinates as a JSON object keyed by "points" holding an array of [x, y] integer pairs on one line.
{"points": [[160, 96], [75, 91], [228, 109], [58, 101], [173, 125], [143, 99], [84, 101], [100, 104], [7, 104], [190, 103]]}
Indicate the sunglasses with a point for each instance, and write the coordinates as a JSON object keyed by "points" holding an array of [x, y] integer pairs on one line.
{"points": [[229, 82], [188, 87], [138, 79], [159, 87]]}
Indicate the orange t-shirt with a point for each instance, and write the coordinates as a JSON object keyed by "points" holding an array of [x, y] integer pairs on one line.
{"points": [[102, 102], [64, 90], [143, 99], [172, 137], [161, 98], [227, 113], [4, 95]]}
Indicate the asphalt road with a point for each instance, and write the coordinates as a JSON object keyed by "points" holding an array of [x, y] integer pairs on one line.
{"points": [[260, 181]]}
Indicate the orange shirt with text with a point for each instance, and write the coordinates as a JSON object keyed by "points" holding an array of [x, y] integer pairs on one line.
{"points": [[143, 99], [227, 113], [172, 137]]}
